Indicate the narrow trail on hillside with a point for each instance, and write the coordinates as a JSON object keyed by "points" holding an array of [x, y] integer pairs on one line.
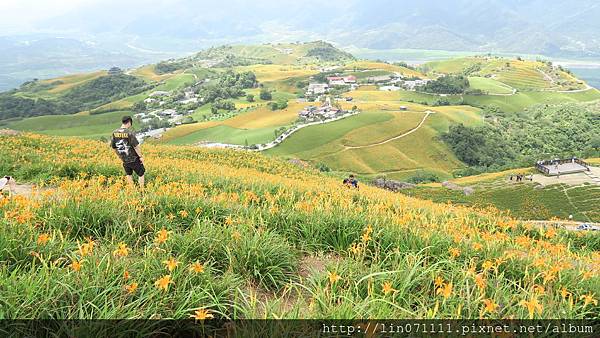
{"points": [[551, 80], [564, 191], [427, 113]]}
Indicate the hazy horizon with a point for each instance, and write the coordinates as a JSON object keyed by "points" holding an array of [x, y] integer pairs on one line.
{"points": [[49, 38]]}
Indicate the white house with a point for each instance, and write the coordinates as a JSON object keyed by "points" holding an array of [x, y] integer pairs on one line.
{"points": [[317, 88]]}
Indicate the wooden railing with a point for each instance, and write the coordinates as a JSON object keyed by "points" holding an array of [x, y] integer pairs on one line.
{"points": [[541, 165], [542, 168]]}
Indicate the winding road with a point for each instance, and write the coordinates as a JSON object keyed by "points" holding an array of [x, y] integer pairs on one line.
{"points": [[427, 113]]}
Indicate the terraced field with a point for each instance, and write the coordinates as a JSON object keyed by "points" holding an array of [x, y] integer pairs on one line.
{"points": [[147, 72], [373, 65], [522, 100], [399, 158], [522, 199], [523, 75], [370, 94], [257, 125], [277, 53], [269, 73], [71, 81]]}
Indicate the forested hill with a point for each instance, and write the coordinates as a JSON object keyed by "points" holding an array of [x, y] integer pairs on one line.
{"points": [[28, 101]]}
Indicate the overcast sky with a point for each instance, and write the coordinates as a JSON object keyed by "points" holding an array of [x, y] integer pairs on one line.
{"points": [[26, 16]]}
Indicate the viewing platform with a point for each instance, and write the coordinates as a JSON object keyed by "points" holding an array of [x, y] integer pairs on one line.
{"points": [[562, 167]]}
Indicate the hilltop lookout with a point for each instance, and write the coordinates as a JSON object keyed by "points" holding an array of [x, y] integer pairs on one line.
{"points": [[558, 167]]}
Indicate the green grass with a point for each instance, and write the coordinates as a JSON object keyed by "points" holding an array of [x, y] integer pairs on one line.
{"points": [[369, 73], [226, 134], [177, 81], [305, 142], [523, 200], [520, 101], [398, 159], [88, 126], [489, 86]]}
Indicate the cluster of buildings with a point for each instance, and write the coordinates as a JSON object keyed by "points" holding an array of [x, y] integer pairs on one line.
{"points": [[332, 81], [323, 112], [165, 109], [388, 82], [169, 115], [400, 83]]}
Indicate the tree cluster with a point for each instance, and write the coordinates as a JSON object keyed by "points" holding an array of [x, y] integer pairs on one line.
{"points": [[448, 84]]}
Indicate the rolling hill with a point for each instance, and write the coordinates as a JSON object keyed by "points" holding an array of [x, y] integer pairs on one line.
{"points": [[397, 132], [235, 235]]}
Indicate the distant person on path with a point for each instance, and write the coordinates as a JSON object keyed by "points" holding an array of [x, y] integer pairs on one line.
{"points": [[11, 183], [127, 147]]}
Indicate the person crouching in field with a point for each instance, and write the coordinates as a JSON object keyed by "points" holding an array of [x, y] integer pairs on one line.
{"points": [[127, 147], [7, 181], [351, 182]]}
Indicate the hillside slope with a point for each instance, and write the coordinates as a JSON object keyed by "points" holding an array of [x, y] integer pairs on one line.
{"points": [[238, 235]]}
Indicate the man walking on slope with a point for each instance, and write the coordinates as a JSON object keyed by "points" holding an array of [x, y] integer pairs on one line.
{"points": [[127, 147]]}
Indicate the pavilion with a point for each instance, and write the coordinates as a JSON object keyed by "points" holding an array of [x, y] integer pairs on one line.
{"points": [[558, 167]]}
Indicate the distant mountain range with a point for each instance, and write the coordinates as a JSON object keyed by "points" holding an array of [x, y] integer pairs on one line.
{"points": [[134, 32]]}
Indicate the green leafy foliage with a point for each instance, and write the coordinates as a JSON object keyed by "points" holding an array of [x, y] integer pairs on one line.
{"points": [[228, 85], [448, 84], [87, 96], [265, 94], [546, 131]]}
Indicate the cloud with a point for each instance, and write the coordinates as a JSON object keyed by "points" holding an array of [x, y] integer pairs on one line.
{"points": [[22, 15]]}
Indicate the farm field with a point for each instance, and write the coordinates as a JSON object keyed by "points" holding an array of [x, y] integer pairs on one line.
{"points": [[349, 145], [490, 86], [524, 75], [521, 100], [256, 125], [399, 158], [522, 200], [240, 235], [81, 125], [380, 66], [270, 73]]}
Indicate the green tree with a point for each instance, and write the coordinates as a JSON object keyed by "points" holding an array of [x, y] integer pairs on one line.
{"points": [[265, 95]]}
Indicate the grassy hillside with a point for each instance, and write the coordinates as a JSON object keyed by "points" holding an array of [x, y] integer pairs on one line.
{"points": [[352, 144], [280, 53], [511, 85], [522, 200], [82, 125], [490, 86], [255, 125], [50, 87], [239, 235], [523, 75]]}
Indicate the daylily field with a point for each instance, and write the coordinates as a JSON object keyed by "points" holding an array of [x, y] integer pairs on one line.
{"points": [[231, 234]]}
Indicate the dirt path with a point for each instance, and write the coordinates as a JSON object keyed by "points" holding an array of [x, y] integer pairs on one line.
{"points": [[27, 190], [427, 113]]}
